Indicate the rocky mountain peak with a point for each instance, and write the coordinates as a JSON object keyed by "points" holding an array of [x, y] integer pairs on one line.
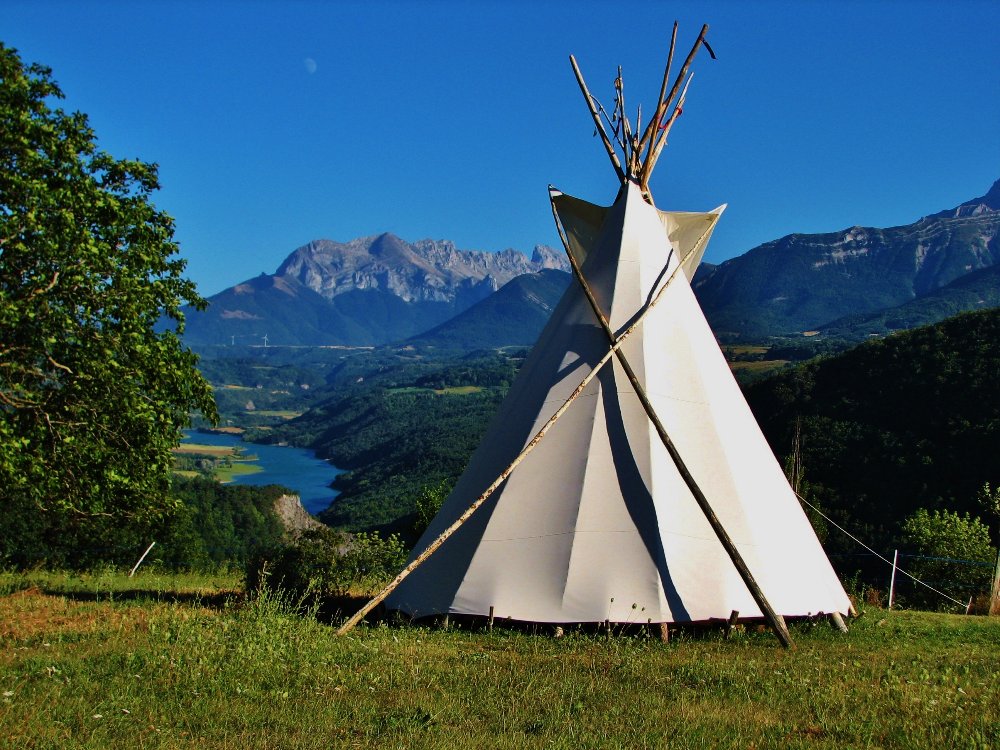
{"points": [[976, 207], [423, 271]]}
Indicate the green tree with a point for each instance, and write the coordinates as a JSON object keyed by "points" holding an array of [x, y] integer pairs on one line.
{"points": [[94, 381], [428, 503], [944, 538]]}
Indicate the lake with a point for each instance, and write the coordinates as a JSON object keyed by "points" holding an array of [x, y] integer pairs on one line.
{"points": [[298, 469]]}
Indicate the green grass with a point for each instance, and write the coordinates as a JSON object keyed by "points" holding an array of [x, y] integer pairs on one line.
{"points": [[238, 463], [99, 661], [226, 474], [762, 365], [455, 390], [460, 390], [200, 449]]}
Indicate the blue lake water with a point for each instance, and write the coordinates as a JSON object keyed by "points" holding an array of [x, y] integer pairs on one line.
{"points": [[298, 469]]}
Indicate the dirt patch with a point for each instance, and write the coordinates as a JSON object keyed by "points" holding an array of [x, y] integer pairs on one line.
{"points": [[31, 613]]}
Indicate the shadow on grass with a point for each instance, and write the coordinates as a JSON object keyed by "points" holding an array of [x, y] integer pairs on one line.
{"points": [[213, 600]]}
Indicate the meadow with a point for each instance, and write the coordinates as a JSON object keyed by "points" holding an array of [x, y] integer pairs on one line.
{"points": [[175, 661]]}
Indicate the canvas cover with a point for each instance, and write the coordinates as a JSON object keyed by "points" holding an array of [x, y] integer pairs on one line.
{"points": [[596, 523]]}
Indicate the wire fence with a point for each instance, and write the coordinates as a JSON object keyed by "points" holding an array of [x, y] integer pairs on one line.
{"points": [[922, 581]]}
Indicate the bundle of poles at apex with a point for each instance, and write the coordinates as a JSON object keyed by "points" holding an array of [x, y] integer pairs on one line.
{"points": [[639, 168]]}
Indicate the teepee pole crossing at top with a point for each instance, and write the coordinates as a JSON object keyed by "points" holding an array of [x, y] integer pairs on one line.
{"points": [[597, 120], [530, 446], [649, 134], [654, 137], [775, 620]]}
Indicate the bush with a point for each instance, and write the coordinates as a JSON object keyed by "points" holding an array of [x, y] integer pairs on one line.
{"points": [[427, 504], [948, 542], [324, 564]]}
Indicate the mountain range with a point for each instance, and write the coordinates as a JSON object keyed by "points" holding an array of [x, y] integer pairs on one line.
{"points": [[852, 284], [369, 291], [804, 282]]}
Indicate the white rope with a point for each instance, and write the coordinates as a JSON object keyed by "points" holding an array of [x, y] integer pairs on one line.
{"points": [[883, 559]]}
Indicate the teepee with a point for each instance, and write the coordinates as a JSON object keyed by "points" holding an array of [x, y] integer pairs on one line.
{"points": [[653, 497]]}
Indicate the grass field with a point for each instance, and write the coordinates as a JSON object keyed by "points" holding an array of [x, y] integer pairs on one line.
{"points": [[227, 474], [762, 365], [200, 449], [460, 390], [744, 349], [457, 390], [160, 661], [239, 462]]}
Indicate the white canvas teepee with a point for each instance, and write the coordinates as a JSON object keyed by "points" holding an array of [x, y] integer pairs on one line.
{"points": [[596, 524], [654, 497]]}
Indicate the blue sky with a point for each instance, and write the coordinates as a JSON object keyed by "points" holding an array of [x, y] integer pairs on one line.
{"points": [[278, 123]]}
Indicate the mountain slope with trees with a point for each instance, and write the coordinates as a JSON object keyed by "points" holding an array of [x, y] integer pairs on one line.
{"points": [[977, 290], [804, 281], [893, 426], [514, 316], [902, 423], [410, 426]]}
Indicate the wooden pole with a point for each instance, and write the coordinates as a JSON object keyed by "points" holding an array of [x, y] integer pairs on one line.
{"points": [[837, 620], [665, 130], [892, 581], [993, 607], [774, 619], [489, 624], [597, 120], [433, 546], [647, 167], [734, 616], [648, 135], [136, 566]]}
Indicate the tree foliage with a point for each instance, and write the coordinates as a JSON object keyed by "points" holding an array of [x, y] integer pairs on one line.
{"points": [[911, 421], [947, 543], [327, 564], [219, 524], [93, 390]]}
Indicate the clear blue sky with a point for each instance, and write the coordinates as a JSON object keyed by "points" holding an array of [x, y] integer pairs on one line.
{"points": [[278, 123]]}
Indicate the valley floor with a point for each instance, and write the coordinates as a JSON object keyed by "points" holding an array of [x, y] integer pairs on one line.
{"points": [[160, 661]]}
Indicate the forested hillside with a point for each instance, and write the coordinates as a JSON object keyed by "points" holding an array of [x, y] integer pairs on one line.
{"points": [[411, 426], [911, 421], [906, 422]]}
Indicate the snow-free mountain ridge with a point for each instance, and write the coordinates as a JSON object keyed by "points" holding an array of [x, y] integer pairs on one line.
{"points": [[382, 289], [368, 291]]}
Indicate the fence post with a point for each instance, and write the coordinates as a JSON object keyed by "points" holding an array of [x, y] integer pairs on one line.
{"points": [[892, 581], [993, 608]]}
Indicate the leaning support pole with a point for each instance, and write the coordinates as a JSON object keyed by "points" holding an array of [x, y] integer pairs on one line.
{"points": [[433, 546], [775, 620], [649, 134], [597, 120], [993, 607], [660, 139]]}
